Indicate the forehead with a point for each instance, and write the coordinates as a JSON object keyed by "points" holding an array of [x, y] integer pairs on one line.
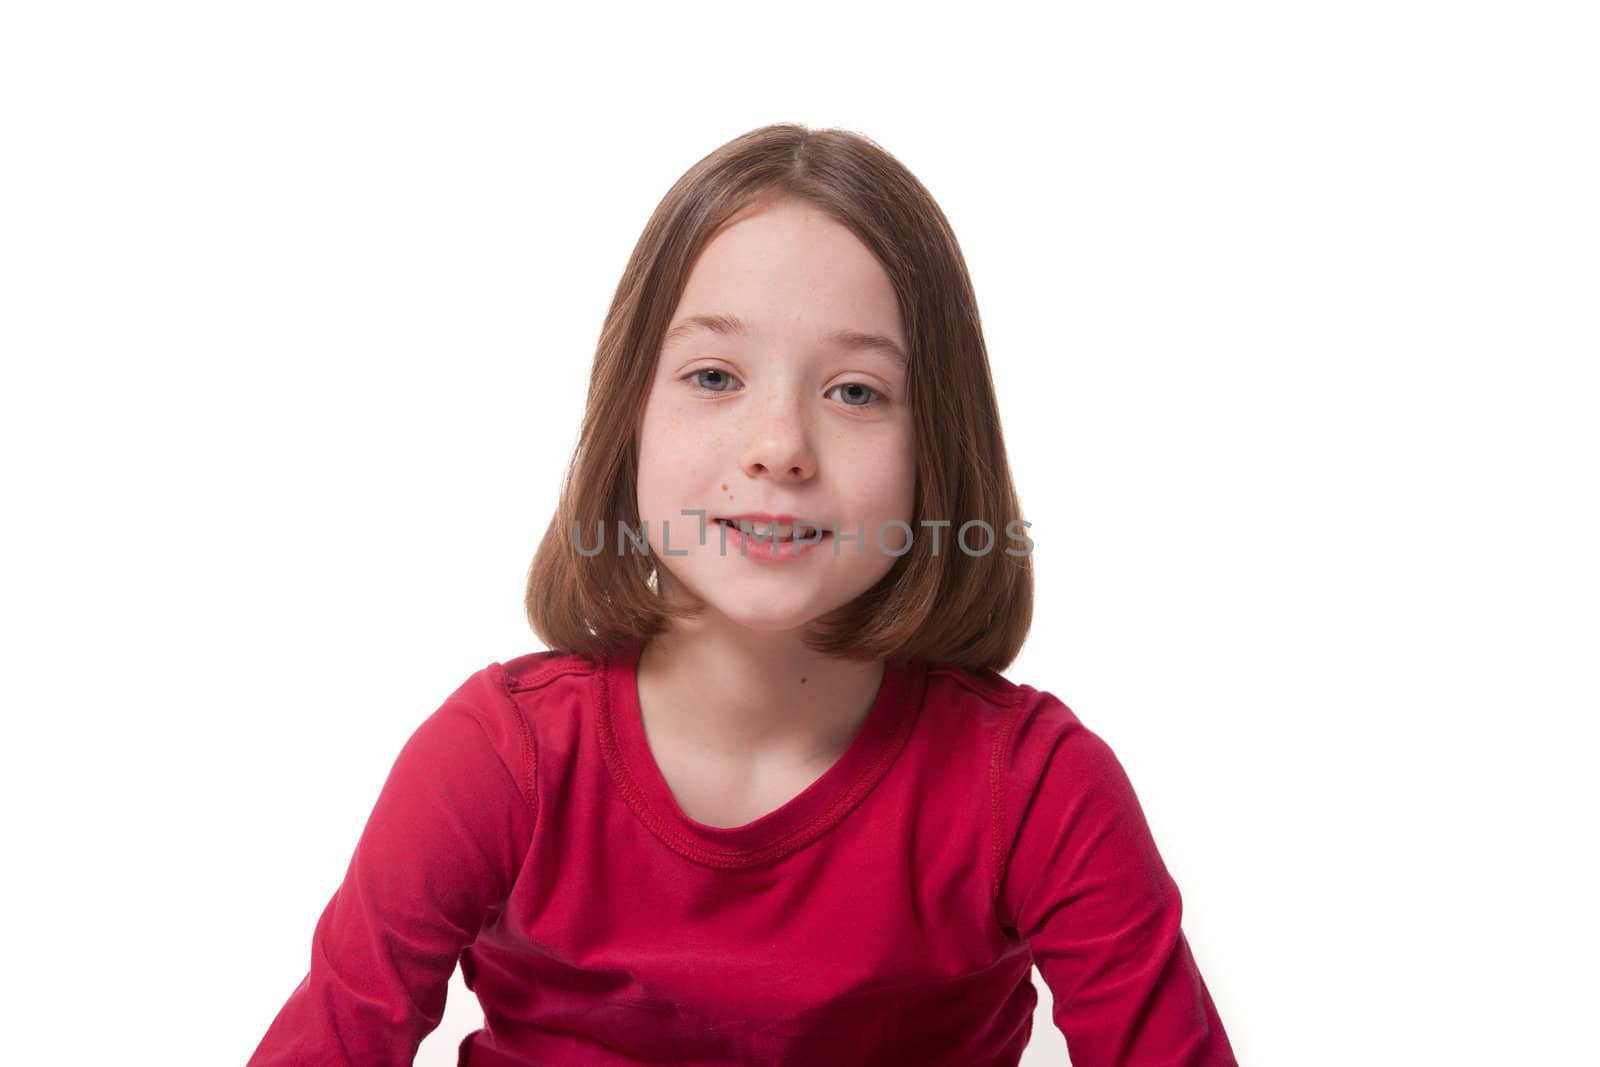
{"points": [[790, 271], [727, 325]]}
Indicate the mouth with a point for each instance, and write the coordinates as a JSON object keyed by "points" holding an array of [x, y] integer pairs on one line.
{"points": [[779, 532]]}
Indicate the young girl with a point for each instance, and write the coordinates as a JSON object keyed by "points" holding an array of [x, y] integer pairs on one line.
{"points": [[767, 800]]}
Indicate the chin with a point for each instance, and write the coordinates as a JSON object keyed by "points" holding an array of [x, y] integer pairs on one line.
{"points": [[766, 619]]}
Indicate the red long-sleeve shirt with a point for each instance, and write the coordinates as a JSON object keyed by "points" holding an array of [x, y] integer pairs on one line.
{"points": [[888, 914]]}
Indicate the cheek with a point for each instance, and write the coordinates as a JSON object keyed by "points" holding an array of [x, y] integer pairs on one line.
{"points": [[885, 487], [677, 467], [899, 479], [660, 431], [655, 464]]}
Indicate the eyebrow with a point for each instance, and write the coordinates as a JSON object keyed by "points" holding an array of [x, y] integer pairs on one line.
{"points": [[732, 326]]}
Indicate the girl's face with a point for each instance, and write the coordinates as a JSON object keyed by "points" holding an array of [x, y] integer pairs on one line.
{"points": [[790, 402]]}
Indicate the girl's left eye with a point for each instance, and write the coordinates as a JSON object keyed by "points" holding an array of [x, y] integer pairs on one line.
{"points": [[865, 401]]}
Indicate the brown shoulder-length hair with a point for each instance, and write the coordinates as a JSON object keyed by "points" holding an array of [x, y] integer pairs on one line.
{"points": [[973, 610]]}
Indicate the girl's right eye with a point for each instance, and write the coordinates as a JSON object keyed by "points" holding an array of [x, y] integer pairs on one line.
{"points": [[722, 380]]}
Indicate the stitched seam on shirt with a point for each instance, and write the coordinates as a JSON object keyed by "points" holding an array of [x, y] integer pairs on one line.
{"points": [[997, 784], [994, 688], [860, 786], [634, 794], [530, 757], [567, 665]]}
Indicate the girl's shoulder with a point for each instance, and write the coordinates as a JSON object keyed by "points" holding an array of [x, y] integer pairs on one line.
{"points": [[1007, 706], [544, 693], [989, 687], [1026, 734], [1016, 729], [495, 694], [534, 670]]}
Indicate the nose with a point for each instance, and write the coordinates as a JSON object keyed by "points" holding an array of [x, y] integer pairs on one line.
{"points": [[779, 444]]}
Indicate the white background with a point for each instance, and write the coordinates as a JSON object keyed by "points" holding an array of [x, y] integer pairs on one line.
{"points": [[1292, 315]]}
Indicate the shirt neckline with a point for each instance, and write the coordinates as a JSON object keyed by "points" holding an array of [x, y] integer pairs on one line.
{"points": [[792, 825]]}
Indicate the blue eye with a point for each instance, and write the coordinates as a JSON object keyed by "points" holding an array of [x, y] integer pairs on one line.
{"points": [[865, 401], [691, 376]]}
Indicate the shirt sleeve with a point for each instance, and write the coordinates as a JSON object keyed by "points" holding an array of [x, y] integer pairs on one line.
{"points": [[1085, 886], [442, 846]]}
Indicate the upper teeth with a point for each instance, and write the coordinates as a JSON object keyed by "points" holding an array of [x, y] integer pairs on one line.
{"points": [[765, 529]]}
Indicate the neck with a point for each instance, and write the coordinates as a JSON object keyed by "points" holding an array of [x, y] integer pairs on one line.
{"points": [[763, 696]]}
